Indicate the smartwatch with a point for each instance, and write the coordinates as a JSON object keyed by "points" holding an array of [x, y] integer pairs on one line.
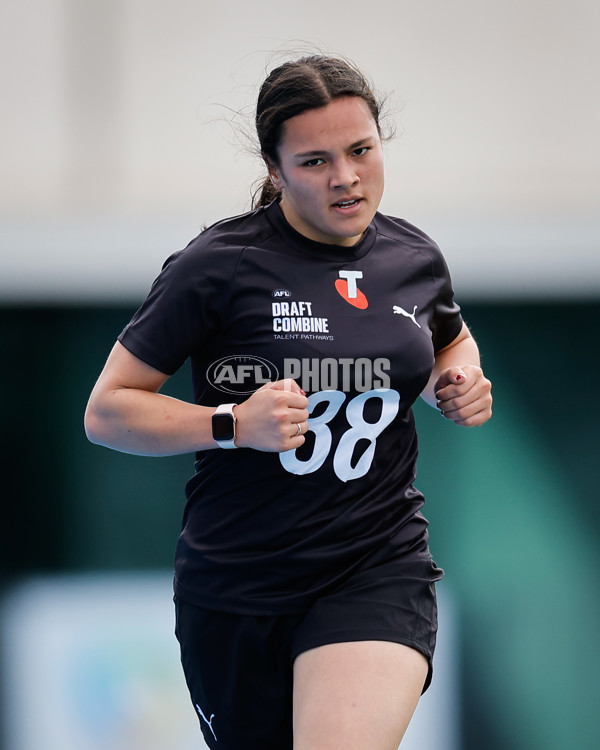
{"points": [[223, 426]]}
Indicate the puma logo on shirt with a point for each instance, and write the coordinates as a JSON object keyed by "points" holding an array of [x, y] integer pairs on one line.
{"points": [[401, 311]]}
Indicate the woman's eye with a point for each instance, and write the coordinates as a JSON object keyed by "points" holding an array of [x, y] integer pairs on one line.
{"points": [[313, 162], [360, 151]]}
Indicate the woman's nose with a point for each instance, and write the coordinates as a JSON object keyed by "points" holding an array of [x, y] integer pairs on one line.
{"points": [[343, 175]]}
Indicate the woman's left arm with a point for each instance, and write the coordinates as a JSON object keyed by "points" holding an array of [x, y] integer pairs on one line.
{"points": [[457, 386]]}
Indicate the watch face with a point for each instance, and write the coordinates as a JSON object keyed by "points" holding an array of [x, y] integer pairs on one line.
{"points": [[222, 427]]}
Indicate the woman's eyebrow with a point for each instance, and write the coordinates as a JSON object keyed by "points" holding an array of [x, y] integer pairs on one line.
{"points": [[313, 154]]}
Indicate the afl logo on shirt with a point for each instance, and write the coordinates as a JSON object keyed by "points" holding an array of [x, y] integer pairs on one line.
{"points": [[241, 375], [347, 288]]}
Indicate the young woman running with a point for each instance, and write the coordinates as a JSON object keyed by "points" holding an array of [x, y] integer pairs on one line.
{"points": [[304, 585]]}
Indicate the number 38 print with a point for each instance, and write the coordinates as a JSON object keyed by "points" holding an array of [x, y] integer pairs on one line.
{"points": [[359, 429]]}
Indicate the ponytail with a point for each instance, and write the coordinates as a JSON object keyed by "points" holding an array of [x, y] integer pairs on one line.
{"points": [[265, 193]]}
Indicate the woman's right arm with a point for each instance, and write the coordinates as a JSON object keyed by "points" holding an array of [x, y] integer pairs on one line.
{"points": [[126, 412]]}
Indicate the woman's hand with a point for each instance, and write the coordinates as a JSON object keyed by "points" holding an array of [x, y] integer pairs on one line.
{"points": [[464, 395], [274, 418]]}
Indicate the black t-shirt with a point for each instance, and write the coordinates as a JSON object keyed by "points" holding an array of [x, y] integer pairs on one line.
{"points": [[251, 300]]}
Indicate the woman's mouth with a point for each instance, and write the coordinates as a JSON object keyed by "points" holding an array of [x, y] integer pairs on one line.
{"points": [[348, 205]]}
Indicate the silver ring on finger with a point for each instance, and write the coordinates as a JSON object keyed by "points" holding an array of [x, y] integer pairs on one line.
{"points": [[299, 429]]}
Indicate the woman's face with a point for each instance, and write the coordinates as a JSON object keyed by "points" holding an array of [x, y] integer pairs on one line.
{"points": [[330, 171]]}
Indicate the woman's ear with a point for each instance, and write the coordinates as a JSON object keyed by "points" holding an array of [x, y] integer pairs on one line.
{"points": [[274, 175]]}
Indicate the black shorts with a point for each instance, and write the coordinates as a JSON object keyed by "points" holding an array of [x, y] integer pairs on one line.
{"points": [[239, 668]]}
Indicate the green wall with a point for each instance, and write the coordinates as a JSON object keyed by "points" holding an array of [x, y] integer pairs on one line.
{"points": [[515, 522], [513, 505]]}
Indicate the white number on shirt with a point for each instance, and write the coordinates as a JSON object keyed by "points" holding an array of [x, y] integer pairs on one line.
{"points": [[359, 430]]}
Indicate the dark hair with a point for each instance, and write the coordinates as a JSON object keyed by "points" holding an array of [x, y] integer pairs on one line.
{"points": [[299, 85]]}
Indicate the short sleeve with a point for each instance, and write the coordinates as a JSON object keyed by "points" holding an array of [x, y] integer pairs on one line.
{"points": [[184, 308], [447, 321]]}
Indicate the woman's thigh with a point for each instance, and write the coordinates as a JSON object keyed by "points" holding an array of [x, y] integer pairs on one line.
{"points": [[356, 695]]}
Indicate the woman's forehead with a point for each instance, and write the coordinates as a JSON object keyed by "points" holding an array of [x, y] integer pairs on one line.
{"points": [[342, 122]]}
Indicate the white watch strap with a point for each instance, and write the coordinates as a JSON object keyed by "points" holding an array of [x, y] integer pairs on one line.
{"points": [[227, 409]]}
